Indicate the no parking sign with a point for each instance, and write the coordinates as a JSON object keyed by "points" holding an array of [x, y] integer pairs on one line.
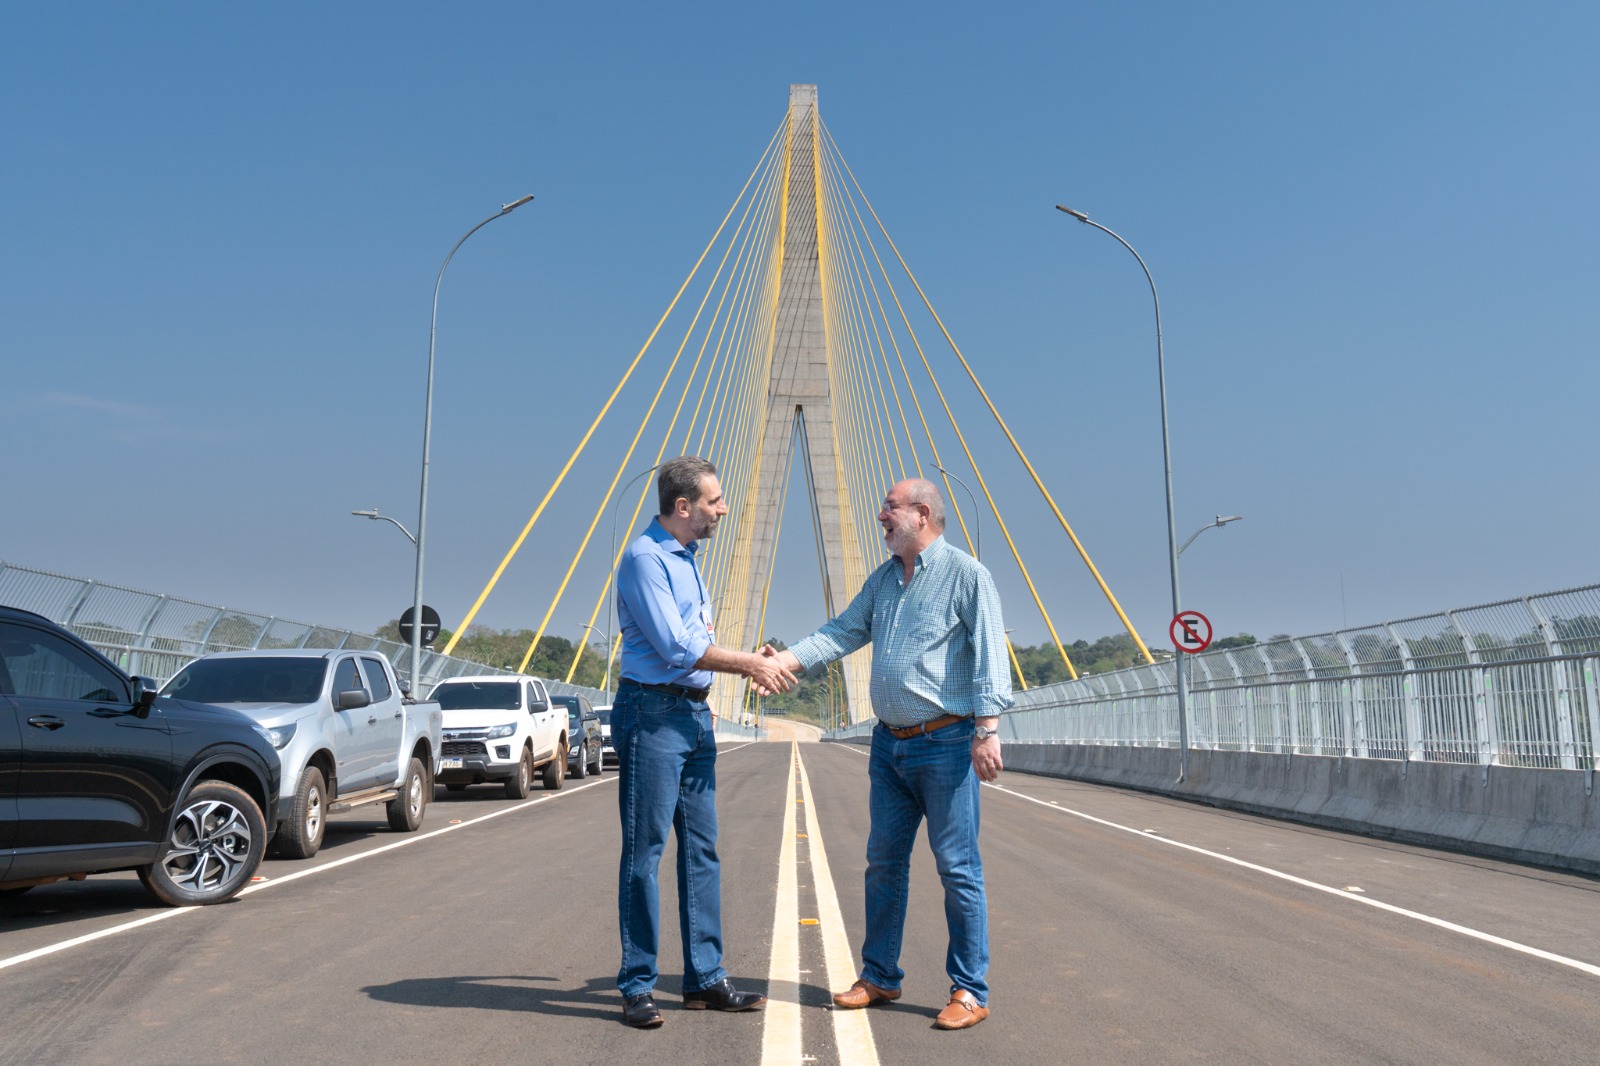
{"points": [[1190, 631]]}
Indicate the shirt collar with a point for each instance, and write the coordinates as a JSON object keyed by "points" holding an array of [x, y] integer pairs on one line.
{"points": [[931, 554], [658, 533]]}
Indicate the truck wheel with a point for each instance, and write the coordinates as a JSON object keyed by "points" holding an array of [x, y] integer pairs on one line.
{"points": [[217, 840], [519, 785], [300, 835], [583, 768], [405, 810], [555, 771]]}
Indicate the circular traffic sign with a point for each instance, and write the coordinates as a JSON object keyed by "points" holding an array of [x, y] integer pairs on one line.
{"points": [[430, 625], [1190, 631]]}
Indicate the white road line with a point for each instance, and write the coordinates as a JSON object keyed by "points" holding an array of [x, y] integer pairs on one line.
{"points": [[1489, 938], [780, 1030], [150, 919], [1428, 919], [852, 1032]]}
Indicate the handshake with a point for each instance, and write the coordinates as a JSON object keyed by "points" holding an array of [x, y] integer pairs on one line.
{"points": [[771, 670]]}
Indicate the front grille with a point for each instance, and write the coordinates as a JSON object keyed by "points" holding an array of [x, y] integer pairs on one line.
{"points": [[458, 748]]}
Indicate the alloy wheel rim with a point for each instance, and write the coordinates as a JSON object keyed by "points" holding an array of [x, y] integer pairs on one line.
{"points": [[210, 843]]}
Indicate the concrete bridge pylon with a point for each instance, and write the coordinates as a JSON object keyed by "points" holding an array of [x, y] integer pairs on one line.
{"points": [[799, 421]]}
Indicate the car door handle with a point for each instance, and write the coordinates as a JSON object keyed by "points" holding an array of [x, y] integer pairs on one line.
{"points": [[46, 721], [372, 720]]}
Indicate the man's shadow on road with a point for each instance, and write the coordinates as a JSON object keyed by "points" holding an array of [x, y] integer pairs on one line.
{"points": [[596, 999]]}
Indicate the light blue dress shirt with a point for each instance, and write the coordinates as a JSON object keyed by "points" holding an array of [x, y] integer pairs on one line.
{"points": [[663, 610], [938, 644]]}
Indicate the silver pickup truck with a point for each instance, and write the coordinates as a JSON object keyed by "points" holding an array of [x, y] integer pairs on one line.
{"points": [[346, 734]]}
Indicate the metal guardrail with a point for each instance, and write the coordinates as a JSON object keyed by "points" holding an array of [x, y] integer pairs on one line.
{"points": [[1511, 683], [154, 636]]}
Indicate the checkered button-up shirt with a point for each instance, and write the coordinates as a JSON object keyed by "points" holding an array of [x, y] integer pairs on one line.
{"points": [[938, 643]]}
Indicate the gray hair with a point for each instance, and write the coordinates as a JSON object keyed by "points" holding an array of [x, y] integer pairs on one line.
{"points": [[679, 479], [925, 492]]}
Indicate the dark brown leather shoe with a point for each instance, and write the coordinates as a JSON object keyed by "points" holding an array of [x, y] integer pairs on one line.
{"points": [[962, 1012], [864, 994]]}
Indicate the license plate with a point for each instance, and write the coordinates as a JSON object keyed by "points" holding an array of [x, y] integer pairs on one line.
{"points": [[449, 764]]}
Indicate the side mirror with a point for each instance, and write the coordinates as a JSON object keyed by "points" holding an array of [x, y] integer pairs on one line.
{"points": [[144, 696], [405, 687], [352, 699], [538, 706]]}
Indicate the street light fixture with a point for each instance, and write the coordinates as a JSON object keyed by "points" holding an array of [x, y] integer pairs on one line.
{"points": [[372, 513], [1166, 458], [427, 435], [1218, 524]]}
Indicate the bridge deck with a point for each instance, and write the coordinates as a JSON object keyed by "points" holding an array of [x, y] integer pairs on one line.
{"points": [[1125, 928]]}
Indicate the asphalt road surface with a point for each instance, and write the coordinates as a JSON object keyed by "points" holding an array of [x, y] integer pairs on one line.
{"points": [[1125, 928]]}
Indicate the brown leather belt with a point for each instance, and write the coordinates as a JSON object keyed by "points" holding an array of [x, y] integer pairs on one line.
{"points": [[907, 732]]}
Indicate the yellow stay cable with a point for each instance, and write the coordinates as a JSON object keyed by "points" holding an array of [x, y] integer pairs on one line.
{"points": [[737, 401], [877, 402], [861, 288], [865, 274], [982, 483], [605, 587], [761, 625], [627, 457], [905, 372], [1038, 481], [730, 347], [517, 544]]}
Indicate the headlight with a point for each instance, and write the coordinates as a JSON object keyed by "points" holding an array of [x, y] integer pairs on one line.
{"points": [[497, 731], [278, 736]]}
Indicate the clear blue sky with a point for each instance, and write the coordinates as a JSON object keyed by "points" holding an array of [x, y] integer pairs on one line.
{"points": [[1373, 226]]}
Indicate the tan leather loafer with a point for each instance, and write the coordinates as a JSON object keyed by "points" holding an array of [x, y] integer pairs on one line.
{"points": [[962, 1012], [864, 994]]}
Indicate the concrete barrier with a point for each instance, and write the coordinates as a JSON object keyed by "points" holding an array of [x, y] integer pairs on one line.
{"points": [[1541, 817]]}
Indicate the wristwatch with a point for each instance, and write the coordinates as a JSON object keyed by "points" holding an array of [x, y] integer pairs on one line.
{"points": [[984, 732]]}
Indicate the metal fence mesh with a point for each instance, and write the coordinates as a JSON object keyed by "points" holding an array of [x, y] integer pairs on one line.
{"points": [[154, 636], [1514, 683]]}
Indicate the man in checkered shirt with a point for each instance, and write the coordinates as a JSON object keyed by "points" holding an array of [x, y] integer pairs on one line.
{"points": [[940, 680]]}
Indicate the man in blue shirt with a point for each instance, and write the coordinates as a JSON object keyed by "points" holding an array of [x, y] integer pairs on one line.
{"points": [[662, 729], [940, 680]]}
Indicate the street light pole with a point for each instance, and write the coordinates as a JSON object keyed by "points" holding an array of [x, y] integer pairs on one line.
{"points": [[427, 435], [1166, 459], [611, 610], [607, 638]]}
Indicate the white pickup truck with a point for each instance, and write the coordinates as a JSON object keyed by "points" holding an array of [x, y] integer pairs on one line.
{"points": [[346, 734], [501, 728]]}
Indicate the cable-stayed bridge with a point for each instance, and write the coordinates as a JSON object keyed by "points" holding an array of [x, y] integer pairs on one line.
{"points": [[1128, 928], [801, 344]]}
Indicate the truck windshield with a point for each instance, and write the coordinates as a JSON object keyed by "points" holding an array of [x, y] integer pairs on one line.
{"points": [[270, 679], [479, 696]]}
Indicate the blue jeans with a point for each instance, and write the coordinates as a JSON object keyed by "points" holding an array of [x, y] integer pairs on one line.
{"points": [[668, 760], [928, 776]]}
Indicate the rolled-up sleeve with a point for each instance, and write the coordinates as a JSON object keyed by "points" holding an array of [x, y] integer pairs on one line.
{"points": [[645, 588]]}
